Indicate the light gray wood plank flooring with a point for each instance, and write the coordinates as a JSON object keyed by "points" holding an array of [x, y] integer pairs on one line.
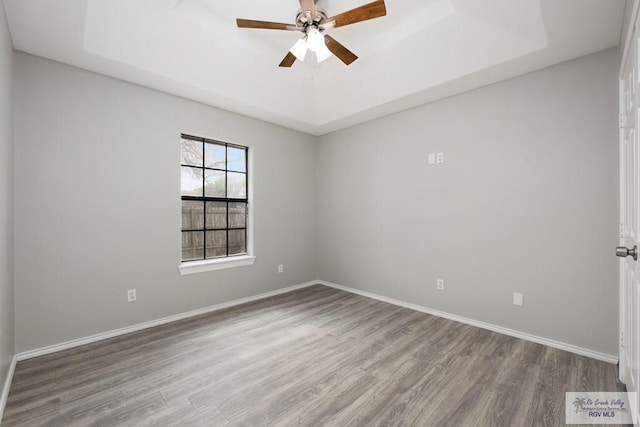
{"points": [[313, 357]]}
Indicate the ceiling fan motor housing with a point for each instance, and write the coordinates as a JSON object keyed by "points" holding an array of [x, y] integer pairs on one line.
{"points": [[302, 21]]}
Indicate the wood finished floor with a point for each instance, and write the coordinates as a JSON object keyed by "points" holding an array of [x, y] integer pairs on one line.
{"points": [[313, 357]]}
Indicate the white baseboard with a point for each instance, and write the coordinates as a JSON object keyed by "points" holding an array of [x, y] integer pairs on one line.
{"points": [[495, 328], [7, 386], [140, 326]]}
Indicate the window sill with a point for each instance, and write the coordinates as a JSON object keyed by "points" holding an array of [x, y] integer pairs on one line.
{"points": [[194, 267]]}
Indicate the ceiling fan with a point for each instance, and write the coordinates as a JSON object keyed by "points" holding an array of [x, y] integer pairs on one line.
{"points": [[313, 21]]}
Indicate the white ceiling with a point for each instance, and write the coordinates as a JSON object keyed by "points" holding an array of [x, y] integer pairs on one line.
{"points": [[423, 50]]}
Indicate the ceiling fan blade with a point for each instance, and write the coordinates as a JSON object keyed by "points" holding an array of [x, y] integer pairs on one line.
{"points": [[265, 25], [368, 11], [310, 7], [344, 54], [288, 60]]}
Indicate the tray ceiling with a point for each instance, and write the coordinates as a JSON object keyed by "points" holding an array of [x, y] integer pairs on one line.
{"points": [[423, 50]]}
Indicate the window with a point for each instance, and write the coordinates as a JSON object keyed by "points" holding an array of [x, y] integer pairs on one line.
{"points": [[214, 190]]}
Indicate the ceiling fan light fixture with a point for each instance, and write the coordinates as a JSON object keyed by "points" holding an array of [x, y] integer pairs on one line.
{"points": [[323, 53], [299, 50], [315, 40]]}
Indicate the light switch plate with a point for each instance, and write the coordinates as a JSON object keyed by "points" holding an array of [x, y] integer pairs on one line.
{"points": [[432, 158], [518, 299]]}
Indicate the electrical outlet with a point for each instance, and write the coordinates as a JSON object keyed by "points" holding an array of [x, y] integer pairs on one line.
{"points": [[440, 158], [440, 284], [518, 299], [131, 295], [281, 268]]}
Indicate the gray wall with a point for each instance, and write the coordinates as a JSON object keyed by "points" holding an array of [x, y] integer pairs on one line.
{"points": [[626, 24], [97, 184], [531, 166], [526, 201], [7, 339]]}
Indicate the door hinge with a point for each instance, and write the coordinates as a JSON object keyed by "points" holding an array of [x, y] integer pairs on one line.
{"points": [[622, 121], [621, 339], [621, 230]]}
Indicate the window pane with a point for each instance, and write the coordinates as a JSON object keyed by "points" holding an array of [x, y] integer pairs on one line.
{"points": [[237, 242], [214, 156], [216, 214], [237, 186], [214, 183], [237, 160], [191, 181], [216, 244], [237, 215], [192, 245], [192, 215], [213, 229], [191, 153]]}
